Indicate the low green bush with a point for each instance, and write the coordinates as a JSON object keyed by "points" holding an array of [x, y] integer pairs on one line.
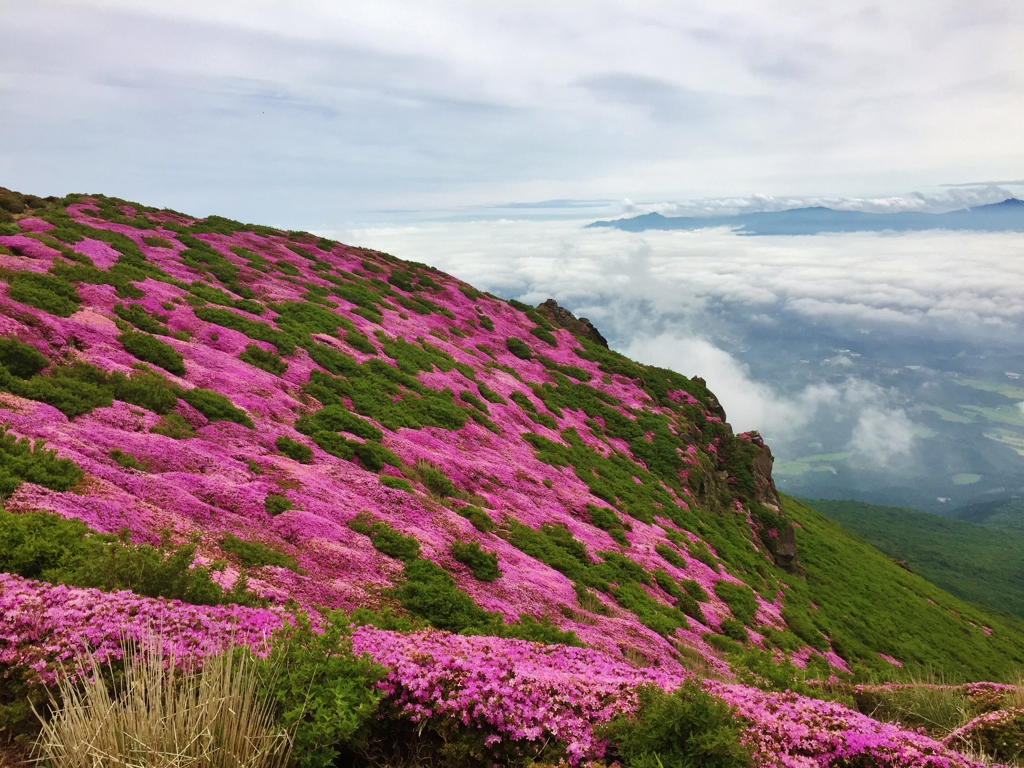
{"points": [[430, 593], [337, 418], [651, 613], [398, 483], [482, 564], [263, 359], [694, 589], [436, 481], [49, 293], [137, 316], [518, 347], [46, 546], [544, 335], [740, 599], [275, 504], [253, 554], [735, 629], [20, 359], [384, 538], [21, 461], [151, 350], [670, 556], [478, 517], [215, 406], [294, 449], [174, 426], [490, 395], [326, 695], [126, 460], [688, 728]]}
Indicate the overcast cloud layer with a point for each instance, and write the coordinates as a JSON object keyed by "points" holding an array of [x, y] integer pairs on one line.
{"points": [[317, 113]]}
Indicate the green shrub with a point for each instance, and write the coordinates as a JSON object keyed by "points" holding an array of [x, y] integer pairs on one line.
{"points": [[384, 538], [137, 316], [35, 543], [42, 545], [334, 444], [435, 480], [275, 504], [652, 614], [478, 517], [543, 631], [607, 520], [483, 564], [126, 460], [735, 629], [151, 350], [287, 267], [153, 241], [485, 322], [145, 388], [337, 418], [215, 407], [688, 728], [46, 292], [694, 589], [326, 696], [490, 395], [253, 554], [699, 551], [519, 348], [72, 389], [174, 426], [20, 359], [670, 555], [294, 449], [468, 397], [544, 335], [373, 456], [429, 593], [398, 483], [24, 461], [263, 359], [740, 599]]}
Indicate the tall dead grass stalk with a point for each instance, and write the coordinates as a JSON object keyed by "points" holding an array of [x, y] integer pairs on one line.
{"points": [[159, 716]]}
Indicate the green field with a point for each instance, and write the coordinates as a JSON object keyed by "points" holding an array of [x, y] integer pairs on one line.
{"points": [[972, 561]]}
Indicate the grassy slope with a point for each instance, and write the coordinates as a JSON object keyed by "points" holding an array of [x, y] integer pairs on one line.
{"points": [[974, 562], [867, 602]]}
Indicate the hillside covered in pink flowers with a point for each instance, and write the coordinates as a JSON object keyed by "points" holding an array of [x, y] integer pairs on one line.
{"points": [[544, 525]]}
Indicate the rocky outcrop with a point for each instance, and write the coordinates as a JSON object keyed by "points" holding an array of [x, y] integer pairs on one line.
{"points": [[782, 546], [578, 326]]}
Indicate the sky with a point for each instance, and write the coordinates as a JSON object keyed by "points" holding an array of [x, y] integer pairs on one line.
{"points": [[314, 113]]}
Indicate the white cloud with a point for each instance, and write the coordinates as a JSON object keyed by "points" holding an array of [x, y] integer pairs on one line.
{"points": [[882, 435], [749, 404], [929, 281]]}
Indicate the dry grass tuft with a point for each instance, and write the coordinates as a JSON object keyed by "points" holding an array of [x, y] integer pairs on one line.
{"points": [[158, 716]]}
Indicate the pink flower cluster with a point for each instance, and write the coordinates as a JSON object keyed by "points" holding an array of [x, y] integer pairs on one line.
{"points": [[43, 624], [514, 690]]}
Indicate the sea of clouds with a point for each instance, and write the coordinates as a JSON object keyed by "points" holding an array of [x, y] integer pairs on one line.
{"points": [[664, 297]]}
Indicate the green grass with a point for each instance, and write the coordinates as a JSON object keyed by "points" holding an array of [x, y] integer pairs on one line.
{"points": [[867, 604], [969, 560]]}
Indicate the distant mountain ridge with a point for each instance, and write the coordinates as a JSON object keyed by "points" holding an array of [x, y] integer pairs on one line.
{"points": [[1007, 216]]}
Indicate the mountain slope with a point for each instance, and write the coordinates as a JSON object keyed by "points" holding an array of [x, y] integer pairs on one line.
{"points": [[327, 427], [971, 561]]}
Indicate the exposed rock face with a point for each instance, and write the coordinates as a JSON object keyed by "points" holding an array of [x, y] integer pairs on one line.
{"points": [[783, 547], [578, 326]]}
